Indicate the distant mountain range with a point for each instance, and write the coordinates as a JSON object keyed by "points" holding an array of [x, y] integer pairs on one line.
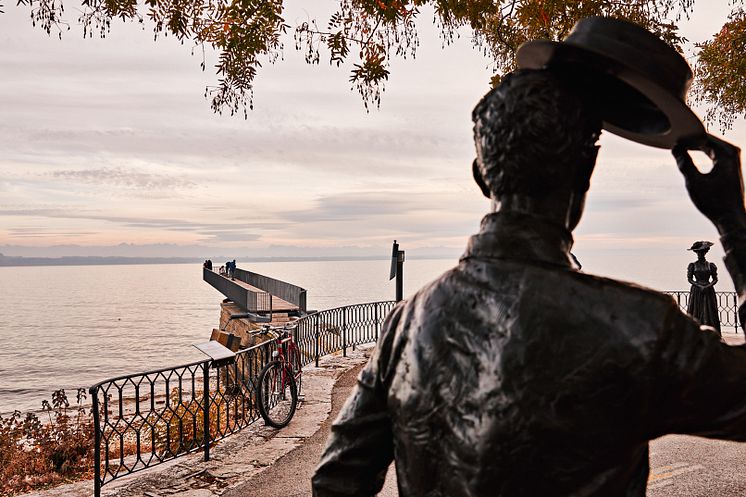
{"points": [[92, 260], [164, 253], [117, 260]]}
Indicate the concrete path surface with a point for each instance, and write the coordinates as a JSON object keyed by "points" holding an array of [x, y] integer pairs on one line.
{"points": [[291, 475]]}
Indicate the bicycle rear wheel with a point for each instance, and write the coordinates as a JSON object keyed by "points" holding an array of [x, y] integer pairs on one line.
{"points": [[278, 394]]}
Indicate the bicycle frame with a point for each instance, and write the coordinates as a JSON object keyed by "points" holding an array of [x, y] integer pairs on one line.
{"points": [[286, 349]]}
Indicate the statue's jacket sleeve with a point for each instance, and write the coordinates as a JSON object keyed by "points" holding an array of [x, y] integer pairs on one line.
{"points": [[699, 385], [360, 447], [700, 382]]}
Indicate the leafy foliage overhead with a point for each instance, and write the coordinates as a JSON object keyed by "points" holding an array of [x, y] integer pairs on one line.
{"points": [[721, 72], [368, 33]]}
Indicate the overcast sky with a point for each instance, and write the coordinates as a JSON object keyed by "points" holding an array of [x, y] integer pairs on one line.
{"points": [[108, 147]]}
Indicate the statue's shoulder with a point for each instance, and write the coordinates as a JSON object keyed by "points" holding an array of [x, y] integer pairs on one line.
{"points": [[625, 293], [437, 299], [440, 289]]}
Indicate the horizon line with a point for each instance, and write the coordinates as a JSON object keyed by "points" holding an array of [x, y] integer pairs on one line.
{"points": [[97, 260]]}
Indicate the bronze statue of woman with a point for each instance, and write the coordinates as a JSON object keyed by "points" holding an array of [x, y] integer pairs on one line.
{"points": [[703, 275]]}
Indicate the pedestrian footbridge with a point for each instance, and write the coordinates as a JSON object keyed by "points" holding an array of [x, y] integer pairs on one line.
{"points": [[258, 294]]}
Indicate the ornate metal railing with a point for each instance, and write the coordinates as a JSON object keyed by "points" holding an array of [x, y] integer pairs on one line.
{"points": [[144, 419], [727, 306], [338, 329]]}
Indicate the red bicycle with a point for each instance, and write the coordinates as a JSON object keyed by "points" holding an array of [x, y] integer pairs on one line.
{"points": [[280, 380]]}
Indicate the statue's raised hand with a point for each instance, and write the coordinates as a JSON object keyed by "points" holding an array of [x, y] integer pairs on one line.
{"points": [[717, 194]]}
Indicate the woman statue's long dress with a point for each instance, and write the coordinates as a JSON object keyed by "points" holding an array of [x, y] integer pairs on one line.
{"points": [[703, 275]]}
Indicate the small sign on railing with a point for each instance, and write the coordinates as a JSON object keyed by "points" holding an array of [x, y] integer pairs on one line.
{"points": [[216, 351]]}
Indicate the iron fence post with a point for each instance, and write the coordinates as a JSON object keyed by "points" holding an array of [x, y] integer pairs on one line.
{"points": [[735, 310], [97, 444], [206, 407], [377, 324], [316, 346], [344, 331]]}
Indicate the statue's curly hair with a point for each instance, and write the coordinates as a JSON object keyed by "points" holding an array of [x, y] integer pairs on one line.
{"points": [[534, 134]]}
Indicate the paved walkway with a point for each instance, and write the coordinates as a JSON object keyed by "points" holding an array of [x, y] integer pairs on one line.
{"points": [[291, 475]]}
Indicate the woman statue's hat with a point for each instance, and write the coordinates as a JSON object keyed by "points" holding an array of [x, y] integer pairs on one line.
{"points": [[701, 245], [640, 82]]}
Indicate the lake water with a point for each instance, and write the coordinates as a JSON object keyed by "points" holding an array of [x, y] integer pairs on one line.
{"points": [[73, 326]]}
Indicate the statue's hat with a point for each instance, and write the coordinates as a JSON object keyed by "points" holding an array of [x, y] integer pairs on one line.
{"points": [[700, 245], [640, 82]]}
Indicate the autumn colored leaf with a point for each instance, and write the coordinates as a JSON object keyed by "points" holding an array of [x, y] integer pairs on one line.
{"points": [[364, 35]]}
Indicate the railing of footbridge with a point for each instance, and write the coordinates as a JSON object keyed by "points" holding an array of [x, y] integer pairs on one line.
{"points": [[144, 419]]}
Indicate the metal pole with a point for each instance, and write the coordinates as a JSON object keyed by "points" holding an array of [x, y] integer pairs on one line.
{"points": [[206, 408], [97, 444], [400, 276]]}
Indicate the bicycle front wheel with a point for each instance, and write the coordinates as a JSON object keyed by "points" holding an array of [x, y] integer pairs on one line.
{"points": [[278, 394]]}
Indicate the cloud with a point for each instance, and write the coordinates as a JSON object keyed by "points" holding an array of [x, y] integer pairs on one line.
{"points": [[251, 150], [213, 232], [119, 176], [226, 235], [355, 206], [371, 209], [118, 250], [33, 232], [418, 218]]}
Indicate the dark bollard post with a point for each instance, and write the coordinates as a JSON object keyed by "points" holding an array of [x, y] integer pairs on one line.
{"points": [[397, 270], [97, 444], [206, 408], [400, 276]]}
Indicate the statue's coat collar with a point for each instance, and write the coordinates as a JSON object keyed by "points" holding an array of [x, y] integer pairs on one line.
{"points": [[521, 237]]}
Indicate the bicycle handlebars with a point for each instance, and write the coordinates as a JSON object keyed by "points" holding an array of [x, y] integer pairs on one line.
{"points": [[276, 329]]}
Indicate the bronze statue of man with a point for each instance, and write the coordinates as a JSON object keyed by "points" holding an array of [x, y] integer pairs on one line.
{"points": [[513, 374]]}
